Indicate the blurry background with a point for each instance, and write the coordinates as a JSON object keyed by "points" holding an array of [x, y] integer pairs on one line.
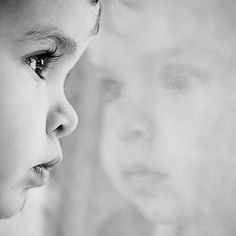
{"points": [[79, 199]]}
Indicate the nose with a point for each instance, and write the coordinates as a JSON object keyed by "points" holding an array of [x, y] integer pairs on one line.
{"points": [[62, 119], [138, 128]]}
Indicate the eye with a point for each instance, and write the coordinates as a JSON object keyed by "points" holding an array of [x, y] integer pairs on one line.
{"points": [[181, 78], [39, 62], [178, 81], [111, 89]]}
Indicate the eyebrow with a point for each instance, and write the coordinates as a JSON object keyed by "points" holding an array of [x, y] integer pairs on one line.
{"points": [[63, 43], [178, 51]]}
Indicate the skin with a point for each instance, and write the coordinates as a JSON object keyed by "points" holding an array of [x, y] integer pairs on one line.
{"points": [[168, 139], [34, 111]]}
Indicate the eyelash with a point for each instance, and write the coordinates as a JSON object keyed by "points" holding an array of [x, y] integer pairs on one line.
{"points": [[42, 61]]}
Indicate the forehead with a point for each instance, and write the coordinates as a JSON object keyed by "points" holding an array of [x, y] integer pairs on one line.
{"points": [[153, 17], [161, 27], [73, 17]]}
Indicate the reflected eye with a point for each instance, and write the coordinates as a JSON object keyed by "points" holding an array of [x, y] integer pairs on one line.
{"points": [[111, 89], [178, 80], [181, 77], [39, 62]]}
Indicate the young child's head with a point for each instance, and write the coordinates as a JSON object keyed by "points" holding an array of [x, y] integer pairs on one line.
{"points": [[169, 134], [40, 41]]}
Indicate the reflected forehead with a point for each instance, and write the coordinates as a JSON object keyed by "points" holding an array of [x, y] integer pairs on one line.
{"points": [[187, 51]]}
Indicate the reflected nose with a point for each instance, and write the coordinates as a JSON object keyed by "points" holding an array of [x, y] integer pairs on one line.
{"points": [[62, 119], [138, 128]]}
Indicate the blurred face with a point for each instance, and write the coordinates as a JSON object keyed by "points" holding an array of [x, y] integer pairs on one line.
{"points": [[168, 139], [40, 41]]}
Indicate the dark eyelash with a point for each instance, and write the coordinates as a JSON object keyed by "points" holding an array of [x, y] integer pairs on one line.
{"points": [[52, 55], [49, 56], [94, 2]]}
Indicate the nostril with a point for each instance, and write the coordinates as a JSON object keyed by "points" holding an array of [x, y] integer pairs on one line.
{"points": [[64, 130], [61, 119], [137, 135], [59, 131], [60, 128]]}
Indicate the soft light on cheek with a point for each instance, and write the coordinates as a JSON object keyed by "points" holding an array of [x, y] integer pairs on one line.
{"points": [[217, 122]]}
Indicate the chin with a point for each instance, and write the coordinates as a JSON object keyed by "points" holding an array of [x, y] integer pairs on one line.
{"points": [[11, 205], [160, 210], [161, 215]]}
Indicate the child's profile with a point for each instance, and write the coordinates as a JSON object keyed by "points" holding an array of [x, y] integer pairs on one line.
{"points": [[40, 41]]}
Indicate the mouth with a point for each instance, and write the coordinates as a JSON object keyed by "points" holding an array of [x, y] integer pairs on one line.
{"points": [[141, 170], [42, 171], [145, 180]]}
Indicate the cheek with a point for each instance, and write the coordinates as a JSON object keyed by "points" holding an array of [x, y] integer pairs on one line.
{"points": [[22, 123], [20, 142], [111, 148], [216, 126], [209, 151]]}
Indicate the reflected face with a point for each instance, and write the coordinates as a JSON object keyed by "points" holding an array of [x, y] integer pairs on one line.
{"points": [[40, 41], [168, 138]]}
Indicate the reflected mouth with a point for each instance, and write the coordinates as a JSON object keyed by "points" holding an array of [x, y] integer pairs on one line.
{"points": [[141, 170], [145, 180]]}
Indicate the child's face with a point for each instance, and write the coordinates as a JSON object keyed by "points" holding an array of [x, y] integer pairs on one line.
{"points": [[169, 131], [38, 48]]}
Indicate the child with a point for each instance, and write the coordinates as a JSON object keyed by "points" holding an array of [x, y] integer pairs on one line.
{"points": [[169, 129], [40, 41]]}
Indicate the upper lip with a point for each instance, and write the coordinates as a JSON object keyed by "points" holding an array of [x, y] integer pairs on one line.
{"points": [[53, 163], [142, 170]]}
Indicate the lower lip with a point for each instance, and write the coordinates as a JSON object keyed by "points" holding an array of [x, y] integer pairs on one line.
{"points": [[39, 176], [150, 184]]}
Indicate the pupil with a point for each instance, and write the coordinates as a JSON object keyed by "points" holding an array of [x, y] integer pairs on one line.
{"points": [[38, 70]]}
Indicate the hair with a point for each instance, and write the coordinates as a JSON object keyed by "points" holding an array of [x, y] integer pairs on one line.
{"points": [[94, 2]]}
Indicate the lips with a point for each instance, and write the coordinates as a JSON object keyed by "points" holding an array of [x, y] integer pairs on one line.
{"points": [[142, 170], [51, 164], [144, 180], [41, 172]]}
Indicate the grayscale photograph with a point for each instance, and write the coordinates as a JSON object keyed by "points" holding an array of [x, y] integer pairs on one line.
{"points": [[118, 118]]}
